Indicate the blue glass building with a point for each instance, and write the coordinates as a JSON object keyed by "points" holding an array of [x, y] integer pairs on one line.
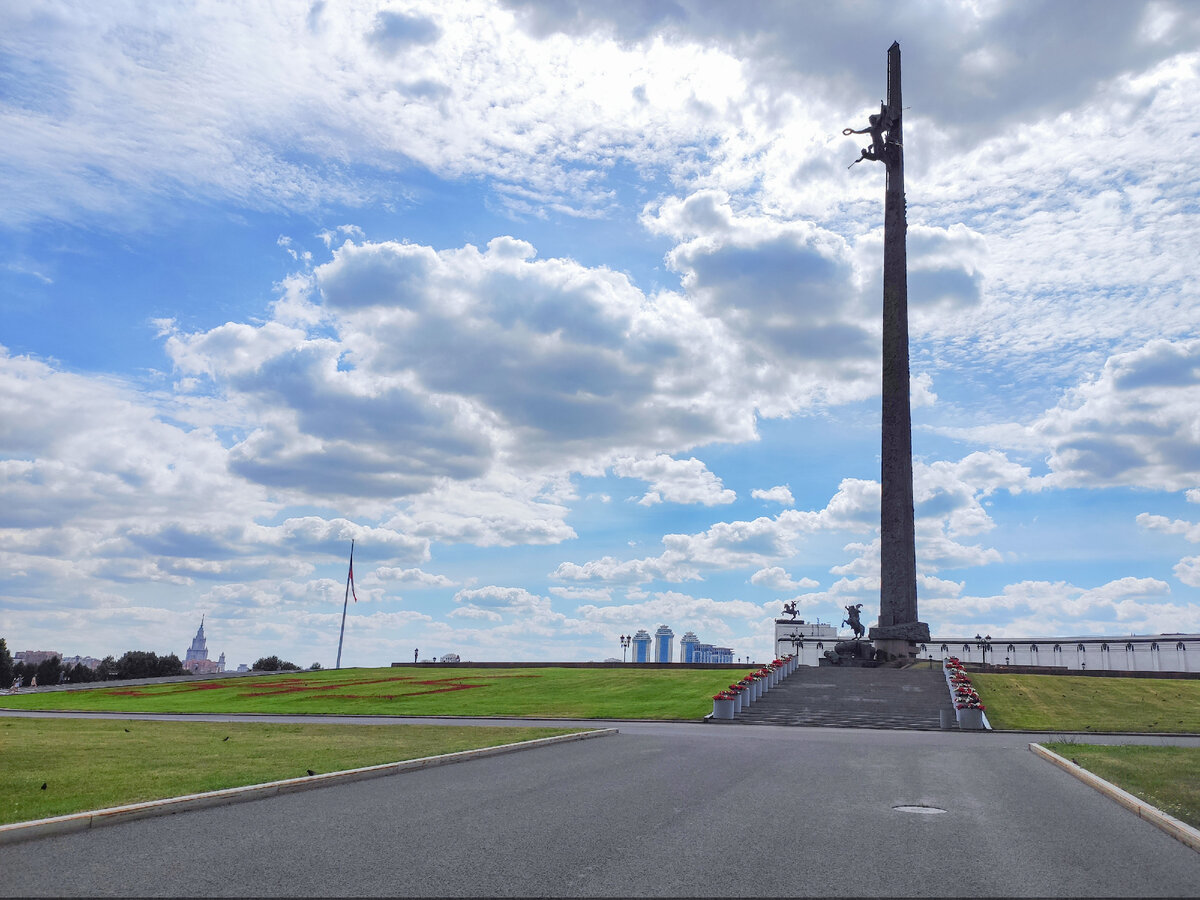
{"points": [[687, 647], [641, 646], [662, 644]]}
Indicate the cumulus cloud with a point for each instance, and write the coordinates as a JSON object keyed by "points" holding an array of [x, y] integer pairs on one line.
{"points": [[675, 480], [1040, 608], [948, 507], [778, 494], [557, 358], [777, 578], [787, 290], [703, 613], [1136, 424], [975, 58], [411, 576], [1187, 570]]}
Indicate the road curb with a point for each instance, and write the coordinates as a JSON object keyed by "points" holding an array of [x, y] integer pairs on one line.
{"points": [[1181, 831], [23, 831]]}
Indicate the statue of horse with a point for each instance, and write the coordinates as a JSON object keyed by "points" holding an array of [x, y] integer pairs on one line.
{"points": [[852, 619]]}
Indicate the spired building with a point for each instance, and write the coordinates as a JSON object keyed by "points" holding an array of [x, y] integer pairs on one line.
{"points": [[197, 661]]}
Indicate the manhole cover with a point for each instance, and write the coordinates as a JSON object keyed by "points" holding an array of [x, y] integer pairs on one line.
{"points": [[919, 810]]}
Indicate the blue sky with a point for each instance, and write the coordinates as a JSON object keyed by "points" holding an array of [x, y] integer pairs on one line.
{"points": [[569, 316]]}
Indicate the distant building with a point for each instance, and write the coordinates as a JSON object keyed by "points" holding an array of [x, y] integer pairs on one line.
{"points": [[662, 644], [1131, 653], [450, 658], [641, 646], [807, 641], [35, 657], [88, 662], [197, 661], [707, 653], [687, 647]]}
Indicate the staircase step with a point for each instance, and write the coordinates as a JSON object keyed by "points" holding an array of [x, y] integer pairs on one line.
{"points": [[833, 696]]}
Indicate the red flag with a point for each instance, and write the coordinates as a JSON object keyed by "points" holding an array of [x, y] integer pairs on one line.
{"points": [[352, 593]]}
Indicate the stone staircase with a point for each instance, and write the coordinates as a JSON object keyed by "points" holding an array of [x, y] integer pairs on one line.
{"points": [[844, 697]]}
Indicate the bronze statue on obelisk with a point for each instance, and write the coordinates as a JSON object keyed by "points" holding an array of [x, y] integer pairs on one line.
{"points": [[898, 631]]}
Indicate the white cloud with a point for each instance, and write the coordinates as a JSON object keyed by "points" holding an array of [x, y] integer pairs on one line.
{"points": [[699, 613], [1136, 424], [1187, 570], [777, 578], [412, 576], [921, 391], [263, 106], [787, 291], [948, 504], [675, 480], [781, 493]]}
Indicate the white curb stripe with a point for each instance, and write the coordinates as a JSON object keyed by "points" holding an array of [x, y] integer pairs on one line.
{"points": [[22, 831], [1181, 831]]}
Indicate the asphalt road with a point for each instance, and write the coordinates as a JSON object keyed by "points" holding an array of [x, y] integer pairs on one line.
{"points": [[661, 809]]}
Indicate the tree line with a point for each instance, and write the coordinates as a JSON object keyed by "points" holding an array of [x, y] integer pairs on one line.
{"points": [[131, 664]]}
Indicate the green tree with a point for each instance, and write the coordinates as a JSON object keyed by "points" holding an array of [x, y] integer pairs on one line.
{"points": [[274, 664], [49, 670], [79, 674], [147, 664], [6, 665]]}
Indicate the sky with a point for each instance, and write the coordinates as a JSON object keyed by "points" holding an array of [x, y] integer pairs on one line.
{"points": [[568, 315]]}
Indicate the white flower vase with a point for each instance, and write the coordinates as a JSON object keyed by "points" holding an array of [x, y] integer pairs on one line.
{"points": [[723, 709]]}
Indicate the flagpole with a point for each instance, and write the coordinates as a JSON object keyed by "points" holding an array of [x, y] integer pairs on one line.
{"points": [[345, 603]]}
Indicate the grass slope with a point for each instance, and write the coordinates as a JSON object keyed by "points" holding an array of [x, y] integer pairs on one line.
{"points": [[1075, 703], [1166, 777], [90, 764], [557, 693]]}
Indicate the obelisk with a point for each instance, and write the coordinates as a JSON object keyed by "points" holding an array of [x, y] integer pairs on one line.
{"points": [[898, 631]]}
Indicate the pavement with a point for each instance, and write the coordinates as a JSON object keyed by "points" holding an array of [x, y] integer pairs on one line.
{"points": [[661, 809]]}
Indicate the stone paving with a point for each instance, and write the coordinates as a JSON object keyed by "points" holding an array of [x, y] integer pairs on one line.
{"points": [[836, 696]]}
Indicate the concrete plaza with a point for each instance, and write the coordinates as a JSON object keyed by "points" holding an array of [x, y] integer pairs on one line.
{"points": [[660, 809]]}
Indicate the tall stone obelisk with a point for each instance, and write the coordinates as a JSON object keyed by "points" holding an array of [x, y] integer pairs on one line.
{"points": [[898, 631]]}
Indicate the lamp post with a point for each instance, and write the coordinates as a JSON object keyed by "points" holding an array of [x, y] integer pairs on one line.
{"points": [[984, 643], [796, 640], [626, 640]]}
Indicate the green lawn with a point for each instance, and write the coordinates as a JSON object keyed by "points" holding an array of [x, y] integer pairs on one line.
{"points": [[1165, 777], [1076, 703], [551, 692], [87, 764]]}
